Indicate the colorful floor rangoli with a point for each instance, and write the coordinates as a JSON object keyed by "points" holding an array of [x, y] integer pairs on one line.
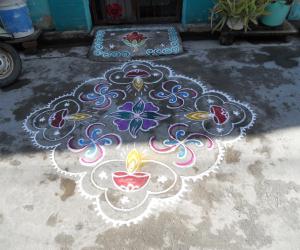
{"points": [[126, 43], [133, 137]]}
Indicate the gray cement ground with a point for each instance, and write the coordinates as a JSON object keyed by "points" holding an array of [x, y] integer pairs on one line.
{"points": [[253, 202]]}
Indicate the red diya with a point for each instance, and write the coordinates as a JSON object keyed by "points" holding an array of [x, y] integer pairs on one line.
{"points": [[57, 119], [218, 113], [137, 73], [132, 179]]}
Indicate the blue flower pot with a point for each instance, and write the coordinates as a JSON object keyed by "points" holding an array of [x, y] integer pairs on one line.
{"points": [[277, 13]]}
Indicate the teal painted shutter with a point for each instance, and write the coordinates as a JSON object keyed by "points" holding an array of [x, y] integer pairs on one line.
{"points": [[71, 14]]}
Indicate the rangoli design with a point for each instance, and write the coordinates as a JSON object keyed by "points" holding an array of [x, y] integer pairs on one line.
{"points": [[134, 39], [125, 43], [134, 137]]}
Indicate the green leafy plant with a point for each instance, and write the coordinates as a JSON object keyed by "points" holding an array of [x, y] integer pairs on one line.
{"points": [[247, 11]]}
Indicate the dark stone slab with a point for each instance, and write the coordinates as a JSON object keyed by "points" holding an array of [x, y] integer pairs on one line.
{"points": [[122, 44], [227, 36]]}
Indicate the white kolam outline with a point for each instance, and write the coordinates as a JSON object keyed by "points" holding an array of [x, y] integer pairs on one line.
{"points": [[154, 203]]}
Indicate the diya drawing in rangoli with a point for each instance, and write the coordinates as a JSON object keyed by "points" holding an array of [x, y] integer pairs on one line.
{"points": [[136, 135]]}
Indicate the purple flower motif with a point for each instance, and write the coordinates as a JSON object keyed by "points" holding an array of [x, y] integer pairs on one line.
{"points": [[139, 116]]}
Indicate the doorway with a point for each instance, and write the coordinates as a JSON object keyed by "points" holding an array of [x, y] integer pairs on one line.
{"points": [[135, 11]]}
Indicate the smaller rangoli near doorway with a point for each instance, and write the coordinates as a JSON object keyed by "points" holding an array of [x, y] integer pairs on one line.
{"points": [[135, 136], [125, 43]]}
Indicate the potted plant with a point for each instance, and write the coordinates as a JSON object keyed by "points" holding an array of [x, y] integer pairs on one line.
{"points": [[277, 12], [237, 14]]}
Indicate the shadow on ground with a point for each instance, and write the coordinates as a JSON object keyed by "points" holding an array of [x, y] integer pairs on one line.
{"points": [[265, 76]]}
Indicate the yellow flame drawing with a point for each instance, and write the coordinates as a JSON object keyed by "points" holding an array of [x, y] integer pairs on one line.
{"points": [[138, 83], [79, 117], [133, 161], [198, 116]]}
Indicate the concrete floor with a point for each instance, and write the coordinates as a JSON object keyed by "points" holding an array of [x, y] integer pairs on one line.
{"points": [[253, 202]]}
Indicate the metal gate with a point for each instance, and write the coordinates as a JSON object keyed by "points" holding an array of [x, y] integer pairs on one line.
{"points": [[135, 11]]}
